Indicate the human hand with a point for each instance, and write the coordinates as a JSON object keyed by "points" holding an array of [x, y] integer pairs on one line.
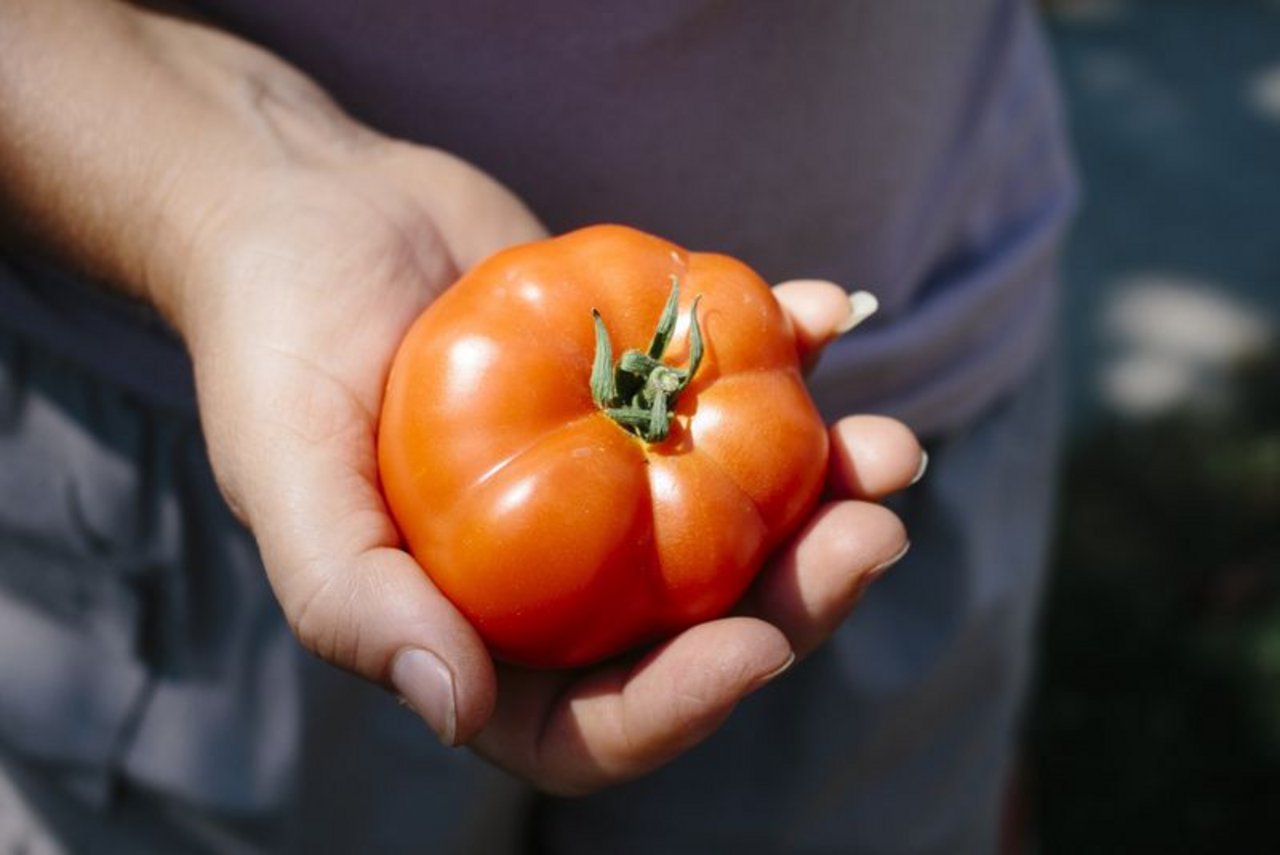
{"points": [[292, 248], [299, 304]]}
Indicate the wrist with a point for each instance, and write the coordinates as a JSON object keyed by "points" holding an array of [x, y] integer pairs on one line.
{"points": [[124, 133], [267, 131]]}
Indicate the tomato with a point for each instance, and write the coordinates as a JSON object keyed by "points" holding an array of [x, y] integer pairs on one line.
{"points": [[574, 505]]}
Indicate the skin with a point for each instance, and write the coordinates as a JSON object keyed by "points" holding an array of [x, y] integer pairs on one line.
{"points": [[208, 178]]}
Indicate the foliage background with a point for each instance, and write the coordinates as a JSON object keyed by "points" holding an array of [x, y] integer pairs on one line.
{"points": [[1156, 724]]}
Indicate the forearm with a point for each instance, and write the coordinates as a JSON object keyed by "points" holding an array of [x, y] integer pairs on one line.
{"points": [[123, 132]]}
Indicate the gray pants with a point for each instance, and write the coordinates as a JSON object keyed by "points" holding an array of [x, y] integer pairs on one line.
{"points": [[151, 698]]}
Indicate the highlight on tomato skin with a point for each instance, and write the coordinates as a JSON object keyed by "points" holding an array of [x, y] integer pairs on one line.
{"points": [[594, 441]]}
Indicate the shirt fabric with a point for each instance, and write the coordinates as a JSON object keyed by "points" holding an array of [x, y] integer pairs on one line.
{"points": [[906, 147]]}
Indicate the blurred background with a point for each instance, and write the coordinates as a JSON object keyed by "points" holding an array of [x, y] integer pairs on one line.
{"points": [[1156, 724]]}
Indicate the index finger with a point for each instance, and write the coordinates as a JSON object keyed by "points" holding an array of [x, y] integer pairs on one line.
{"points": [[821, 311]]}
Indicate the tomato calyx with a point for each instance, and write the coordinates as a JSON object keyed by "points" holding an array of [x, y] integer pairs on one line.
{"points": [[639, 391]]}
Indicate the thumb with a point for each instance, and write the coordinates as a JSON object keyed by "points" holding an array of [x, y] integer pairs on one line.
{"points": [[293, 452]]}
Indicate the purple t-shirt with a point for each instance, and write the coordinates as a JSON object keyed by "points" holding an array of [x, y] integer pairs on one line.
{"points": [[906, 147], [909, 147]]}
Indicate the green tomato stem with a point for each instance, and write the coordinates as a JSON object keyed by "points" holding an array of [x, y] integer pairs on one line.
{"points": [[639, 391]]}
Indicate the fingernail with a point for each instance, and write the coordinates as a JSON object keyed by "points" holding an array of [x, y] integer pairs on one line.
{"points": [[863, 582], [879, 570], [924, 465], [426, 685], [775, 673], [862, 305]]}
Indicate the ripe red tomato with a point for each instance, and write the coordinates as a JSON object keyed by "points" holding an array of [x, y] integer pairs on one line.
{"points": [[572, 504]]}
